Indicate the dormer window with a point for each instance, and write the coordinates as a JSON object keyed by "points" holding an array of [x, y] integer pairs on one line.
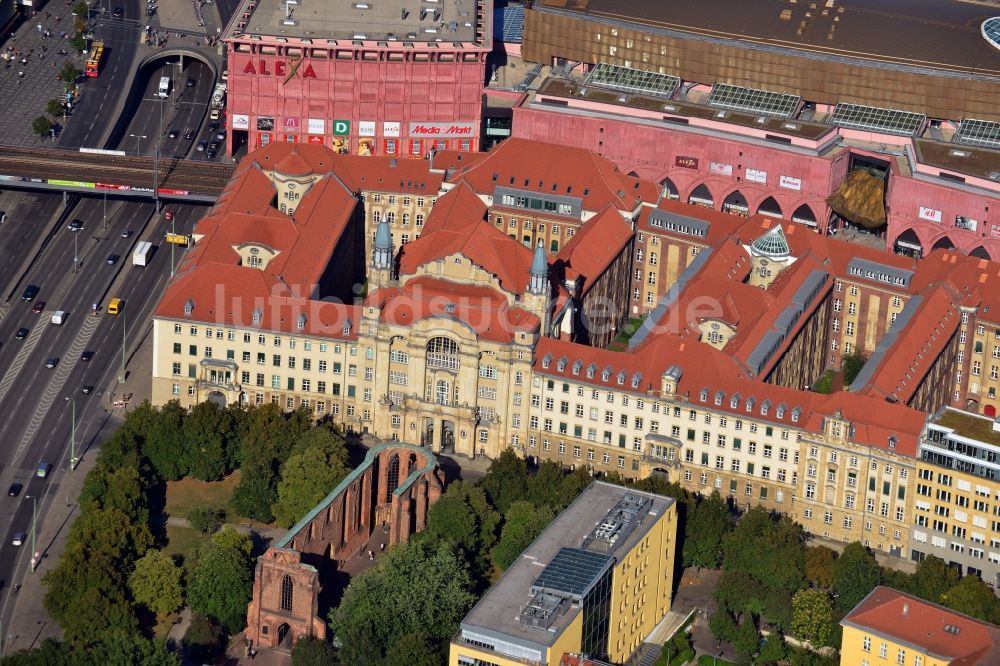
{"points": [[703, 395], [734, 402], [256, 316], [751, 401], [765, 407], [893, 440], [547, 361], [621, 377], [577, 366], [591, 370], [301, 323], [719, 396], [795, 414], [348, 325], [606, 374], [189, 307], [636, 378], [780, 413], [561, 365]]}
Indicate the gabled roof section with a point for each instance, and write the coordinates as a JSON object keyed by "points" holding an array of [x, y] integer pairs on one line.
{"points": [[547, 168], [457, 226], [595, 245]]}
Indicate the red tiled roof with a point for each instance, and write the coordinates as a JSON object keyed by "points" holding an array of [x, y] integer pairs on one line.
{"points": [[484, 310], [874, 421], [457, 226], [594, 246], [548, 168], [720, 225], [952, 637], [387, 174], [443, 160]]}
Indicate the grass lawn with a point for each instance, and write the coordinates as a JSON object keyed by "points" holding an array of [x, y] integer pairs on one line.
{"points": [[187, 494], [707, 660], [183, 540]]}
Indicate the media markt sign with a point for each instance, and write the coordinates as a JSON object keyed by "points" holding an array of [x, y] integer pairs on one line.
{"points": [[341, 127]]}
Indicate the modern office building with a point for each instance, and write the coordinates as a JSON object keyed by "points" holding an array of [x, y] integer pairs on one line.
{"points": [[597, 580], [382, 78], [891, 627]]}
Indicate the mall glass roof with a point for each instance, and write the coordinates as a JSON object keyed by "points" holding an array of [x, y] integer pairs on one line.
{"points": [[979, 133], [631, 80], [991, 31], [874, 119], [736, 98]]}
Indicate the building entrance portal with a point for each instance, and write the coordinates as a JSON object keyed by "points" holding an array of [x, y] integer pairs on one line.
{"points": [[448, 436]]}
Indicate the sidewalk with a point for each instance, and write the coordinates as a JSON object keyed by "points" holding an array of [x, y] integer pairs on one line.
{"points": [[26, 97]]}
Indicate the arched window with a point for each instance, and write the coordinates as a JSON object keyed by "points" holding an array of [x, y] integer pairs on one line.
{"points": [[392, 477], [442, 353], [286, 593]]}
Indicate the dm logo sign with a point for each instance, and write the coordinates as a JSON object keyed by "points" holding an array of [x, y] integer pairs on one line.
{"points": [[341, 127]]}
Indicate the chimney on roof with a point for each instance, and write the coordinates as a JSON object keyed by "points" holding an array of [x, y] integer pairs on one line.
{"points": [[906, 609]]}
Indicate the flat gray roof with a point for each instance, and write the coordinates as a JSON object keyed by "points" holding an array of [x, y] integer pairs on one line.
{"points": [[406, 20], [497, 613]]}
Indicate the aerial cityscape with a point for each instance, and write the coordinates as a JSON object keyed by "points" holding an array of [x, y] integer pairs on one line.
{"points": [[500, 332]]}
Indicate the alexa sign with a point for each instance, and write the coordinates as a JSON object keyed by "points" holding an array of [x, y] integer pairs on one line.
{"points": [[280, 68]]}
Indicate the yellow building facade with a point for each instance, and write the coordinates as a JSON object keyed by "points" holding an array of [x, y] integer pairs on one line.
{"points": [[596, 581]]}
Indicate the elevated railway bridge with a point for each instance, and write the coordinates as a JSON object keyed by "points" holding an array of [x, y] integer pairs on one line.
{"points": [[96, 172]]}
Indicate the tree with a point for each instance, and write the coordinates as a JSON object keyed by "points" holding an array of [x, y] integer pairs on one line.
{"points": [[932, 579], [55, 107], [205, 435], [164, 444], [69, 73], [41, 126], [819, 566], [220, 586], [851, 365], [522, 523], [206, 519], [855, 574], [773, 650], [49, 652], [463, 519], [309, 651], [156, 582], [707, 524], [415, 650], [506, 481], [722, 625], [309, 476], [371, 617], [204, 640], [111, 532], [812, 616], [255, 495], [230, 537], [973, 597], [267, 442], [747, 640], [130, 648]]}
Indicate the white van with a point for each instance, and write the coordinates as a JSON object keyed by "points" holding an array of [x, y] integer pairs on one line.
{"points": [[58, 317], [164, 86]]}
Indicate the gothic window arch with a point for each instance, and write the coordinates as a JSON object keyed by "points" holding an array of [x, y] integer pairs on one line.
{"points": [[286, 593]]}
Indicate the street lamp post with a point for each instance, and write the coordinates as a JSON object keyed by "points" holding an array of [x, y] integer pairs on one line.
{"points": [[73, 460], [34, 520], [105, 209], [137, 137]]}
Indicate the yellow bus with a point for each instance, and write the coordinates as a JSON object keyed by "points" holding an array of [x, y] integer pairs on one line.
{"points": [[115, 306]]}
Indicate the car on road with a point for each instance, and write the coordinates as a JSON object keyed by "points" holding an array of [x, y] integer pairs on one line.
{"points": [[112, 259], [75, 225], [212, 152], [87, 389], [38, 307], [126, 233], [29, 293], [220, 135], [43, 469], [214, 145], [168, 215], [188, 135], [51, 362], [174, 133], [190, 82], [18, 539], [118, 13], [202, 145], [21, 334], [86, 355], [212, 126], [14, 490]]}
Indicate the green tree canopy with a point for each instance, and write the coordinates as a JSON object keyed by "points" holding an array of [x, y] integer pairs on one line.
{"points": [[206, 519], [309, 475], [41, 126], [855, 574], [220, 586], [708, 522], [415, 650], [206, 434], [230, 537], [973, 597], [932, 579], [164, 444], [204, 639], [747, 640], [156, 582], [506, 480], [309, 651], [812, 616], [111, 532], [54, 107], [462, 518], [522, 523], [371, 617]]}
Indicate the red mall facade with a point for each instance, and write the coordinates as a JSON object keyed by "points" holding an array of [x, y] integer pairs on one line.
{"points": [[357, 97]]}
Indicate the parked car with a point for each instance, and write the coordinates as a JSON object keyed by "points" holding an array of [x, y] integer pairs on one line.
{"points": [[29, 293], [220, 135], [14, 490]]}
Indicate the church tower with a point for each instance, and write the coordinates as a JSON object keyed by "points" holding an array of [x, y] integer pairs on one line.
{"points": [[538, 298], [383, 261]]}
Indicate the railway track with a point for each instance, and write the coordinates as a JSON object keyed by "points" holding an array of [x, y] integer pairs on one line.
{"points": [[198, 177]]}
